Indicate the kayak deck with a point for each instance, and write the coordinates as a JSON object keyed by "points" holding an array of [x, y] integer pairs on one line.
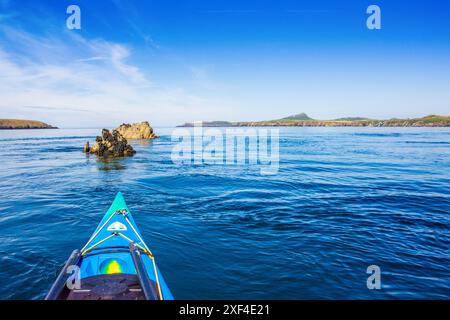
{"points": [[115, 264]]}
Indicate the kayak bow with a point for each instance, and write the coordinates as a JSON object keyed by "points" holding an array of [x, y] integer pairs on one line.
{"points": [[115, 264]]}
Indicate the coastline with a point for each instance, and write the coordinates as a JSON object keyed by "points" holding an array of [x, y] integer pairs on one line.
{"points": [[29, 128], [316, 125], [354, 125], [425, 122]]}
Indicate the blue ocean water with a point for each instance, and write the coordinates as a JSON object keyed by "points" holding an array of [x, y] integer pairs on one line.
{"points": [[343, 199]]}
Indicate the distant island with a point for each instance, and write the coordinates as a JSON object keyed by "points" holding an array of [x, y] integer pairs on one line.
{"points": [[302, 120], [210, 124], [6, 124]]}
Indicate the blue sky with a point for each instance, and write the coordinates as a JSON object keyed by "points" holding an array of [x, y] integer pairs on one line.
{"points": [[175, 61]]}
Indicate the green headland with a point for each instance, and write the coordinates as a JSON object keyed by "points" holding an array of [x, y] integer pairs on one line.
{"points": [[23, 124], [303, 120]]}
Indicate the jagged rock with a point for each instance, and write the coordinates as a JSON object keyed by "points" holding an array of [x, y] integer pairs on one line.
{"points": [[110, 145], [86, 147], [141, 130]]}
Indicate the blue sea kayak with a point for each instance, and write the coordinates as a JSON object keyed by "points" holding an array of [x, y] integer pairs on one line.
{"points": [[115, 264]]}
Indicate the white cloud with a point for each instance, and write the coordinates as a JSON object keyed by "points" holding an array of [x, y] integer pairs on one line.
{"points": [[65, 75]]}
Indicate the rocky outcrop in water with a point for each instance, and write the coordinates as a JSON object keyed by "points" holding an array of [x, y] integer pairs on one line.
{"points": [[110, 145], [141, 130]]}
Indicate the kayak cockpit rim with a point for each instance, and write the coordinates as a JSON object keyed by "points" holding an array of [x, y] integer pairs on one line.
{"points": [[149, 290]]}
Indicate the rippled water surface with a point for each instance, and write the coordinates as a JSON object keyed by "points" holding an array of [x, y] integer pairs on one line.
{"points": [[343, 199]]}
